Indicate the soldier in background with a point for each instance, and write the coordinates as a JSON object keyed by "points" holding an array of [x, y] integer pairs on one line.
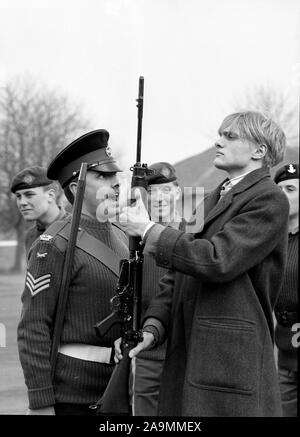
{"points": [[83, 365], [163, 195], [36, 197], [287, 178]]}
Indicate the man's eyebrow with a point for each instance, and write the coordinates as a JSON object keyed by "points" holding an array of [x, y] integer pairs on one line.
{"points": [[231, 133], [27, 192], [225, 131]]}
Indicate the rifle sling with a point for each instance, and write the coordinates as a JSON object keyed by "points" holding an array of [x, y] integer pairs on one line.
{"points": [[88, 244]]}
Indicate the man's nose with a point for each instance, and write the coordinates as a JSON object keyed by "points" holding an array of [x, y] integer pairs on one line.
{"points": [[219, 142], [158, 195], [22, 201], [115, 185], [114, 182]]}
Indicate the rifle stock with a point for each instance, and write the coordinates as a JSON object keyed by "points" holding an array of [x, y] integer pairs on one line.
{"points": [[116, 398]]}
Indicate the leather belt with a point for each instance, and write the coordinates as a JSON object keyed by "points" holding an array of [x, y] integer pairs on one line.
{"points": [[98, 354]]}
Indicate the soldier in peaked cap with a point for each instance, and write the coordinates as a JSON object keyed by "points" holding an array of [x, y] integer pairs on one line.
{"points": [[36, 197], [83, 366], [163, 195], [286, 309]]}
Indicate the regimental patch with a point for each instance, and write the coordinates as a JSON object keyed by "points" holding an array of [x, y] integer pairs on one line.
{"points": [[36, 285]]}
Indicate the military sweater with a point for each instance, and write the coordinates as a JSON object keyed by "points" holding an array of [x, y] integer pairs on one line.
{"points": [[288, 301], [91, 287], [38, 229]]}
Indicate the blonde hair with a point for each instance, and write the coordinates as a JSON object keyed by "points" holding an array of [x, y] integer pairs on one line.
{"points": [[259, 129]]}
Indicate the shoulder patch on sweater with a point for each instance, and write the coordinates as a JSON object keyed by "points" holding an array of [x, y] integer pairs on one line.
{"points": [[35, 285], [41, 255]]}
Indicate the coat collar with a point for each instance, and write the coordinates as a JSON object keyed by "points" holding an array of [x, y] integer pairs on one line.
{"points": [[213, 206]]}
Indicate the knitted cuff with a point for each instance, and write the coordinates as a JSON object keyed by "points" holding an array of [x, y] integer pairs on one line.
{"points": [[41, 397], [154, 331]]}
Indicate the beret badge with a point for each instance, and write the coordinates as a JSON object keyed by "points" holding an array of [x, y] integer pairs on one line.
{"points": [[28, 179], [291, 169]]}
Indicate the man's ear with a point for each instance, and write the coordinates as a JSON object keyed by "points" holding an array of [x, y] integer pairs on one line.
{"points": [[73, 188], [52, 194], [259, 152]]}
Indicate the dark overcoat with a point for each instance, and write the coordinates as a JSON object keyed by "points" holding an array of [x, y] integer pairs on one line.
{"points": [[216, 304]]}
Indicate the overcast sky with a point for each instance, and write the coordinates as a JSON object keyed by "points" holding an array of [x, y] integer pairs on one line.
{"points": [[197, 57]]}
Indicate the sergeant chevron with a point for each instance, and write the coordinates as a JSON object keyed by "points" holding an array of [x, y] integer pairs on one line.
{"points": [[35, 285]]}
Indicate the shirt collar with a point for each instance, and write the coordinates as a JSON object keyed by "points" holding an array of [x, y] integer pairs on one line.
{"points": [[237, 179]]}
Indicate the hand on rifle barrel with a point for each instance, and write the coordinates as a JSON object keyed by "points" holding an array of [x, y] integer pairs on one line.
{"points": [[134, 219], [148, 339]]}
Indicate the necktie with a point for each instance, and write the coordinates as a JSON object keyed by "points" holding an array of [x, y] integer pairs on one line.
{"points": [[225, 188]]}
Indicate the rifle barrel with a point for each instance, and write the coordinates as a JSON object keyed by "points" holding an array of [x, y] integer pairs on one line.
{"points": [[66, 276], [140, 105]]}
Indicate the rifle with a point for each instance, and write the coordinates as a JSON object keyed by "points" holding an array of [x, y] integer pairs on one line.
{"points": [[126, 303], [66, 276]]}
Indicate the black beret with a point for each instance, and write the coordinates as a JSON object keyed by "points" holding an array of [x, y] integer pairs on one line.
{"points": [[289, 171], [162, 173], [30, 177], [91, 148]]}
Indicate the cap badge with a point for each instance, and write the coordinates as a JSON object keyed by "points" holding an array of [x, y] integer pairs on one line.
{"points": [[291, 169], [108, 151], [28, 179], [45, 237]]}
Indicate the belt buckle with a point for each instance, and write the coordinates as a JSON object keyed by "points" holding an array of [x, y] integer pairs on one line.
{"points": [[284, 320]]}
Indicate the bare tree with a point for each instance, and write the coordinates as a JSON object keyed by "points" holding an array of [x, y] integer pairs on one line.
{"points": [[281, 106], [35, 123]]}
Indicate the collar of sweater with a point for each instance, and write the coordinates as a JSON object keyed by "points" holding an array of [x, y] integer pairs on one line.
{"points": [[91, 223], [61, 215]]}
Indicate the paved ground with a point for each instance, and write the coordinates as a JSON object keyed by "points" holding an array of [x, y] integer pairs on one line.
{"points": [[13, 398]]}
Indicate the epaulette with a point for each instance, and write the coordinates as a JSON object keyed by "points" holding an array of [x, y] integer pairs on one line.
{"points": [[51, 234], [117, 225]]}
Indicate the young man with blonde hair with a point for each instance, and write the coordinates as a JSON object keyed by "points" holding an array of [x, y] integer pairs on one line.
{"points": [[216, 301]]}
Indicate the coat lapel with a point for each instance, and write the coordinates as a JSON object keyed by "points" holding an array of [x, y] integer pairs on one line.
{"points": [[214, 207]]}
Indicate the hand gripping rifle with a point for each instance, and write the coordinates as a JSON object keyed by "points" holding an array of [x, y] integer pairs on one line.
{"points": [[126, 303], [66, 276]]}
